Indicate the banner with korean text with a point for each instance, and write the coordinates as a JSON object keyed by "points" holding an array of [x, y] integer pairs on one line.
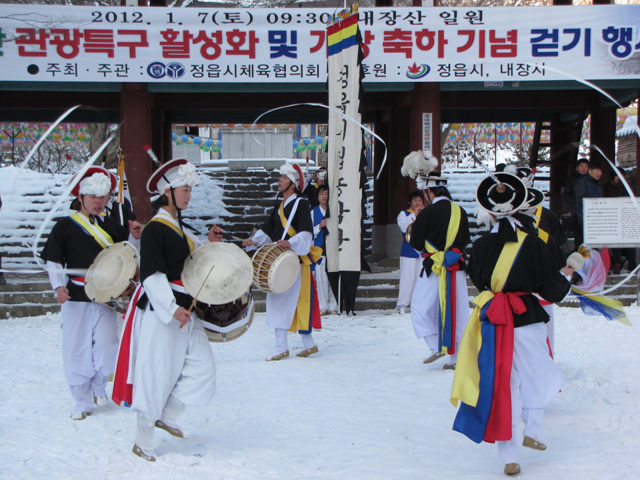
{"points": [[65, 43], [345, 162]]}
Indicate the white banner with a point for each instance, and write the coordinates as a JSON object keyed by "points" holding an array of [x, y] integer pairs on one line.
{"points": [[344, 148], [157, 44]]}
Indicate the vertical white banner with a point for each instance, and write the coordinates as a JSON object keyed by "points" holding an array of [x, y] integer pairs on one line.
{"points": [[344, 152]]}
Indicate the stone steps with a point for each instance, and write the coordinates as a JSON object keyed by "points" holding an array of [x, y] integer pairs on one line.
{"points": [[24, 296]]}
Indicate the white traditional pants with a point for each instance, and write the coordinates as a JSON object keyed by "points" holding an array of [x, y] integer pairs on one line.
{"points": [[89, 349], [326, 298], [409, 273], [535, 379], [425, 310]]}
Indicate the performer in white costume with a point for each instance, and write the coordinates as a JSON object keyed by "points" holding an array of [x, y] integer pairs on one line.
{"points": [[283, 309], [169, 356], [410, 259], [440, 301], [89, 330], [319, 214]]}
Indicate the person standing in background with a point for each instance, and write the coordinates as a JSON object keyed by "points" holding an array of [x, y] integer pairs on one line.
{"points": [[319, 214], [410, 259]]}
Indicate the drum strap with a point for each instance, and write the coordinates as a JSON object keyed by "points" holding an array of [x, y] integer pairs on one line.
{"points": [[286, 222], [93, 229]]}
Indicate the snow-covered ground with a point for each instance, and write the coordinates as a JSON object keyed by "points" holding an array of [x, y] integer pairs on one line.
{"points": [[364, 408]]}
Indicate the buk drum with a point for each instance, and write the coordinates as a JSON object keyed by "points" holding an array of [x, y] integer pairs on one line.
{"points": [[275, 268], [113, 274], [217, 273], [223, 323]]}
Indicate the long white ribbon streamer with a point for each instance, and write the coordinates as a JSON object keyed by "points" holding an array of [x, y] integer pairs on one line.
{"points": [[41, 140], [335, 110], [64, 197]]}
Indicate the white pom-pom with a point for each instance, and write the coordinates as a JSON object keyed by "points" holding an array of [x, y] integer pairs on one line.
{"points": [[575, 261], [484, 218], [418, 163], [511, 169]]}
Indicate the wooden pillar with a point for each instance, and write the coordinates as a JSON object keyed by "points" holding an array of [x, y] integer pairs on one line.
{"points": [[603, 136], [425, 99], [136, 132], [564, 151]]}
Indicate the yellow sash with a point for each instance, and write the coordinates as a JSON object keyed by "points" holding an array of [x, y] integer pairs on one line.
{"points": [[93, 229], [544, 236], [176, 229], [302, 317], [437, 258], [291, 232], [466, 380]]}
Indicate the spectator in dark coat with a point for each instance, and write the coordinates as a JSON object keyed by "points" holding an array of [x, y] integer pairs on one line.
{"points": [[588, 186]]}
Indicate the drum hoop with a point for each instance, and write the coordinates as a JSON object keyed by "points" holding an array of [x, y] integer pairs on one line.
{"points": [[243, 328]]}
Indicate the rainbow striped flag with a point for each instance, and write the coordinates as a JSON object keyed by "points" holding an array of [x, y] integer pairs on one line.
{"points": [[343, 33]]}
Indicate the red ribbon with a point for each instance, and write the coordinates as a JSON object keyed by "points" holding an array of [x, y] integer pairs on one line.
{"points": [[500, 313]]}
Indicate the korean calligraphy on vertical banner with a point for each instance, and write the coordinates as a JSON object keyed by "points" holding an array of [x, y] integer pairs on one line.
{"points": [[67, 43], [344, 147]]}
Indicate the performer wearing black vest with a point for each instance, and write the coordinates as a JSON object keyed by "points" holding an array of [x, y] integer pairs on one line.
{"points": [[505, 371], [297, 308], [89, 330], [165, 360], [440, 301]]}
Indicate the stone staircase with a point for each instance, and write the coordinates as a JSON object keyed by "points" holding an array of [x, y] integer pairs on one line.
{"points": [[24, 296], [248, 198]]}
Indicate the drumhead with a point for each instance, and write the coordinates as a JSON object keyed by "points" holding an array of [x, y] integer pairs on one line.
{"points": [[284, 271], [112, 272], [275, 268], [217, 273]]}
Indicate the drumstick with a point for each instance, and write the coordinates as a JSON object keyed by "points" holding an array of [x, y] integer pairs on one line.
{"points": [[232, 237], [193, 304]]}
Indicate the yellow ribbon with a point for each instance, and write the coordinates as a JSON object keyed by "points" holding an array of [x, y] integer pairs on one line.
{"points": [[466, 380], [437, 257], [176, 229], [609, 302], [302, 317], [544, 236], [93, 229], [291, 232]]}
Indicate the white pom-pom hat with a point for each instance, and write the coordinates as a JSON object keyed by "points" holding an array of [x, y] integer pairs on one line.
{"points": [[173, 174], [96, 181]]}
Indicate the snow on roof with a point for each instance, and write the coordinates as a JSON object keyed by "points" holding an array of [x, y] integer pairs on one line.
{"points": [[629, 128]]}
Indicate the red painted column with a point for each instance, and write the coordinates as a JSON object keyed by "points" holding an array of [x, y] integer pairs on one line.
{"points": [[136, 132], [425, 99]]}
